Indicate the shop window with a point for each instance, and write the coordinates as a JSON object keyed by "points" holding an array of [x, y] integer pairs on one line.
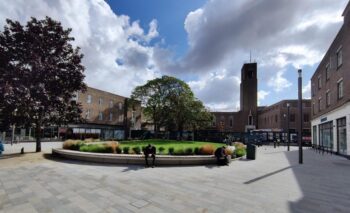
{"points": [[326, 134], [314, 135], [341, 133]]}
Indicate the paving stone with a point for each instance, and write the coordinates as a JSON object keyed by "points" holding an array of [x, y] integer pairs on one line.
{"points": [[140, 203], [275, 182]]}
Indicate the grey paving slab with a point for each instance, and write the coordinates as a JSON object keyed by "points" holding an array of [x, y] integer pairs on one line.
{"points": [[275, 182]]}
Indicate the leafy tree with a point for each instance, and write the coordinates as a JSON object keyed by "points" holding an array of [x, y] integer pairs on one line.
{"points": [[170, 103], [40, 71]]}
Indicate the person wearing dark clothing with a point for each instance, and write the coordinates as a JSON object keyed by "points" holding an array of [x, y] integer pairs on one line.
{"points": [[221, 157], [1, 147], [150, 151]]}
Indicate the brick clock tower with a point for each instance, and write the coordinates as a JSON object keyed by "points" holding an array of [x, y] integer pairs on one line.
{"points": [[249, 96]]}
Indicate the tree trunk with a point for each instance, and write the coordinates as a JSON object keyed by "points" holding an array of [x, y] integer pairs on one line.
{"points": [[38, 138], [181, 131]]}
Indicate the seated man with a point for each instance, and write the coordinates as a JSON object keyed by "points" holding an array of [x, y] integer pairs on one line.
{"points": [[221, 157], [150, 150], [1, 147]]}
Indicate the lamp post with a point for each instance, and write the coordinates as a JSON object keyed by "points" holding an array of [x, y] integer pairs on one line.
{"points": [[300, 109], [288, 136]]}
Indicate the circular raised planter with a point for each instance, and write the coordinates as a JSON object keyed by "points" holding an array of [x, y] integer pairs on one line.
{"points": [[134, 159]]}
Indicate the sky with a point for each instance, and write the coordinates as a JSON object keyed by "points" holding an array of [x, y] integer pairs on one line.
{"points": [[203, 42]]}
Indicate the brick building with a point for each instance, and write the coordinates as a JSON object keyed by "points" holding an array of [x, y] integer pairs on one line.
{"points": [[275, 117], [330, 91], [106, 114], [246, 118], [251, 116]]}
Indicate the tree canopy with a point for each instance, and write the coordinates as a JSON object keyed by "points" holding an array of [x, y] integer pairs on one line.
{"points": [[170, 103], [40, 71]]}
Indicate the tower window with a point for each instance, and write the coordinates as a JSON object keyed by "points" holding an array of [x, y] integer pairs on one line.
{"points": [[250, 74]]}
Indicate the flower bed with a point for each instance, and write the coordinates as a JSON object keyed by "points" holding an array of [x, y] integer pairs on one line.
{"points": [[164, 147]]}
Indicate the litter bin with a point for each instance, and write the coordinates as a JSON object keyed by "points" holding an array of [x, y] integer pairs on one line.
{"points": [[251, 151]]}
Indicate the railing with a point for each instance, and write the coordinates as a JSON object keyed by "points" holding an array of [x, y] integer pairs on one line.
{"points": [[323, 149]]}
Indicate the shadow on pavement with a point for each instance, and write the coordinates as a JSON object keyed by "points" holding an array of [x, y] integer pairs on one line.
{"points": [[324, 181], [14, 155], [267, 175]]}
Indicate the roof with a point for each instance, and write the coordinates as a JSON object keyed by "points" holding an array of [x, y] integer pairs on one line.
{"points": [[106, 92], [347, 9]]}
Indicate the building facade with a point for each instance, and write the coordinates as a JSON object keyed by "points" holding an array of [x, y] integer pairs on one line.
{"points": [[106, 115], [275, 117], [251, 116], [245, 119], [331, 94]]}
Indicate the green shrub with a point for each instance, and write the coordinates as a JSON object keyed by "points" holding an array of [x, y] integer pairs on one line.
{"points": [[196, 151], [161, 149], [97, 148], [118, 150], [137, 150], [143, 148], [126, 150], [171, 150], [179, 152], [189, 151], [240, 152]]}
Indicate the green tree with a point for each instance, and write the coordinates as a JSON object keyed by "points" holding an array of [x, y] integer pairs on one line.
{"points": [[170, 103], [40, 71]]}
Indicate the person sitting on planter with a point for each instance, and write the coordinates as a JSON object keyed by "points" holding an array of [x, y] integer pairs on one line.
{"points": [[150, 151], [221, 157], [1, 147]]}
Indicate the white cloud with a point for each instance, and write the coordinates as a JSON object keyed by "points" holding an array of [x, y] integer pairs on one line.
{"points": [[278, 82], [218, 90], [280, 33], [103, 36], [306, 90], [262, 94]]}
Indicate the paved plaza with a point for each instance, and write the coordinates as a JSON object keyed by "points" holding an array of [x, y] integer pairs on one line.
{"points": [[275, 182]]}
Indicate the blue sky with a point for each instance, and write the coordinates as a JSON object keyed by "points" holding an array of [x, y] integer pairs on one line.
{"points": [[169, 14], [205, 43]]}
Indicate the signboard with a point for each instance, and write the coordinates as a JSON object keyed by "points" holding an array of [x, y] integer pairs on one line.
{"points": [[323, 119]]}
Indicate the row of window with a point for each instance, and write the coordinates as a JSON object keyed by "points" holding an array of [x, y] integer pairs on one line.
{"points": [[88, 114], [340, 95], [339, 57], [267, 120], [222, 123], [100, 102]]}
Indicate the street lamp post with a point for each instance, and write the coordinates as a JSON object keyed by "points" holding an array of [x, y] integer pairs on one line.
{"points": [[300, 108], [288, 136]]}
